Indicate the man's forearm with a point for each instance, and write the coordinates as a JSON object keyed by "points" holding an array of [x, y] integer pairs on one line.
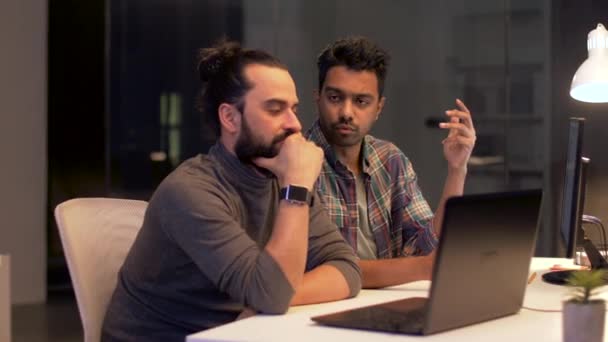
{"points": [[288, 244], [322, 284], [390, 272], [454, 186]]}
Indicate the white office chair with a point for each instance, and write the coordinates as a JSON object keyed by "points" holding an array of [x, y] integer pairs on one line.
{"points": [[97, 234]]}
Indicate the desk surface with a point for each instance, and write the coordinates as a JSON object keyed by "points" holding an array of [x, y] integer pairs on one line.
{"points": [[295, 325]]}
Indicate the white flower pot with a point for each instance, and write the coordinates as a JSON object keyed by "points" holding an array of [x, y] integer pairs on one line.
{"points": [[584, 322]]}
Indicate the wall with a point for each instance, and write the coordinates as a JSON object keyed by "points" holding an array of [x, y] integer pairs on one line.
{"points": [[23, 25]]}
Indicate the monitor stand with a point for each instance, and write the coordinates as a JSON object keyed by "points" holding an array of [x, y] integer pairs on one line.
{"points": [[595, 259]]}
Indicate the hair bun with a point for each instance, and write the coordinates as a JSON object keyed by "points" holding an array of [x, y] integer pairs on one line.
{"points": [[210, 64], [214, 60]]}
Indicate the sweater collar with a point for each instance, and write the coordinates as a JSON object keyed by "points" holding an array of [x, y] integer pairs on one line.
{"points": [[240, 172]]}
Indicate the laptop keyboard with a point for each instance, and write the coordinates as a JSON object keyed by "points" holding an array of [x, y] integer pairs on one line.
{"points": [[385, 319], [409, 322]]}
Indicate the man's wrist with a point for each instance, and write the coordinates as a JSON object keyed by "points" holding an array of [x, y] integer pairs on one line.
{"points": [[457, 170], [286, 181], [296, 194]]}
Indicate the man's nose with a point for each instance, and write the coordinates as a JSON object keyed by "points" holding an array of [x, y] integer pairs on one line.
{"points": [[347, 109], [292, 123]]}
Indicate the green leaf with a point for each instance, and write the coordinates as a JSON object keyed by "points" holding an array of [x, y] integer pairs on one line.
{"points": [[585, 283]]}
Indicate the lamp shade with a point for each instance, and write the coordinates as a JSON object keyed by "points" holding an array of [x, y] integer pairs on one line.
{"points": [[590, 83]]}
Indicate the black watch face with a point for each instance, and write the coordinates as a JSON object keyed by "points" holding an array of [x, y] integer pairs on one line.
{"points": [[297, 193]]}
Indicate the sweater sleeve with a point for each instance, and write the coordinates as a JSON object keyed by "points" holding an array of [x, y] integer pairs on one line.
{"points": [[327, 246], [200, 220]]}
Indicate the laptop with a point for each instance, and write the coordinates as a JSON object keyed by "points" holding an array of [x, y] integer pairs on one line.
{"points": [[480, 272]]}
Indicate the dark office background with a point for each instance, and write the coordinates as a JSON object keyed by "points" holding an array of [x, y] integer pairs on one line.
{"points": [[122, 81], [76, 113]]}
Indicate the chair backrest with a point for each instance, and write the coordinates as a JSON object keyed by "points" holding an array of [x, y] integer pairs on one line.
{"points": [[97, 234]]}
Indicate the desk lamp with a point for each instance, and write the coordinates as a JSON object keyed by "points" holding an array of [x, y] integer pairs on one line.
{"points": [[590, 82]]}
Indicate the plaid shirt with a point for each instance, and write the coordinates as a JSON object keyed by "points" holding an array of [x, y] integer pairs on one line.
{"points": [[399, 216]]}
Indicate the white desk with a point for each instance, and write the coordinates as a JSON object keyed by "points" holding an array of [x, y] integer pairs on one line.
{"points": [[296, 325], [5, 299]]}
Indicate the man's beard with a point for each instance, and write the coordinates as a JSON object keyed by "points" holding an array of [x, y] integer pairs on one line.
{"points": [[249, 147]]}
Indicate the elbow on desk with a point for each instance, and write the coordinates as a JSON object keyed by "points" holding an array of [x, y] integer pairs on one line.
{"points": [[270, 305], [274, 308], [355, 289], [269, 295]]}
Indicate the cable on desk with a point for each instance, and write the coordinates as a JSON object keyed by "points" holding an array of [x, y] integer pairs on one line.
{"points": [[542, 310], [539, 310]]}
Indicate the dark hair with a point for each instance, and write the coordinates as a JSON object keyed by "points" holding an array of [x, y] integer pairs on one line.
{"points": [[221, 71], [355, 53]]}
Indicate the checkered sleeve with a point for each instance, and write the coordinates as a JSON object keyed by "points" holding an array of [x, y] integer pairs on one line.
{"points": [[419, 237]]}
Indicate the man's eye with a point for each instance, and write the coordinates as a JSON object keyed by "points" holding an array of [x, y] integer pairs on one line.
{"points": [[362, 101], [334, 98]]}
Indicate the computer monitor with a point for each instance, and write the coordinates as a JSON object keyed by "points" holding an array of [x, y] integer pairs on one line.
{"points": [[573, 204], [573, 195]]}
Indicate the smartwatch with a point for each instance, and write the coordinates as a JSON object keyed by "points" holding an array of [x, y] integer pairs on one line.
{"points": [[296, 195]]}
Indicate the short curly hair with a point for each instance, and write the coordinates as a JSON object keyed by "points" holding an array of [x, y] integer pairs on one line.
{"points": [[356, 53]]}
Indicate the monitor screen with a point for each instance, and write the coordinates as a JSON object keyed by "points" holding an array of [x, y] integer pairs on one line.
{"points": [[573, 195]]}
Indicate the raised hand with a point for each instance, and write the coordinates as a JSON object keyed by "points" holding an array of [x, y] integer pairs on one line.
{"points": [[299, 162], [459, 143]]}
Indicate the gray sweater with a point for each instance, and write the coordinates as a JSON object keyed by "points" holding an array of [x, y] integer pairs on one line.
{"points": [[199, 257]]}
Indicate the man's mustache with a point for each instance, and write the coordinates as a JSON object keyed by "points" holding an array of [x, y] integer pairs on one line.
{"points": [[279, 138], [344, 121]]}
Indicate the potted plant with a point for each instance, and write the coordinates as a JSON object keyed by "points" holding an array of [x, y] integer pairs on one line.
{"points": [[583, 315]]}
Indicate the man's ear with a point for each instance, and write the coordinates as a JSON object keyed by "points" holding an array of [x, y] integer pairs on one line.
{"points": [[230, 117], [380, 106]]}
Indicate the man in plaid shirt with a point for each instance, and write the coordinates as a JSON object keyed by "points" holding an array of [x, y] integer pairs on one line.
{"points": [[367, 185]]}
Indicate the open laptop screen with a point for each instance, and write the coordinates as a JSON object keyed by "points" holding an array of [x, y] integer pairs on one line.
{"points": [[480, 271]]}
